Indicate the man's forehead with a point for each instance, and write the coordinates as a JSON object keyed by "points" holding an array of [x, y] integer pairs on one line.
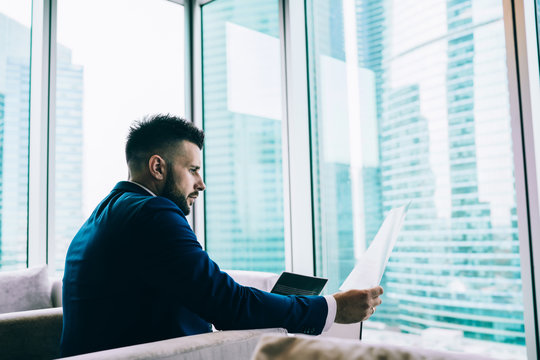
{"points": [[187, 151]]}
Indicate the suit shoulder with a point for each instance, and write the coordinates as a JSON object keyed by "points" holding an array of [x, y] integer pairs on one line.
{"points": [[168, 217], [161, 203]]}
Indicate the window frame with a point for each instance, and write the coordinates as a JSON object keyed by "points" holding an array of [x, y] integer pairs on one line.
{"points": [[41, 142], [524, 85], [194, 95]]}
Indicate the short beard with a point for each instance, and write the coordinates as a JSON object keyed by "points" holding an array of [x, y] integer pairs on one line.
{"points": [[172, 193]]}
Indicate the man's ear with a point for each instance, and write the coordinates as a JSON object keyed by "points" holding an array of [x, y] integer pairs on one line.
{"points": [[156, 165]]}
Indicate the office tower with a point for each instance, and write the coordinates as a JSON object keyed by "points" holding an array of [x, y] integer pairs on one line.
{"points": [[15, 86], [243, 167], [69, 153], [370, 30], [370, 25], [346, 166], [14, 126], [331, 163], [406, 175], [445, 142]]}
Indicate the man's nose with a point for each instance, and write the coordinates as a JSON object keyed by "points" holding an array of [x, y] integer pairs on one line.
{"points": [[200, 185]]}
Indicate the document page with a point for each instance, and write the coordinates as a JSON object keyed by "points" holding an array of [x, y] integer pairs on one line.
{"points": [[369, 268]]}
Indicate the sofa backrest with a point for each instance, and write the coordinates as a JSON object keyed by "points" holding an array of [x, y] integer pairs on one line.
{"points": [[257, 279], [27, 289]]}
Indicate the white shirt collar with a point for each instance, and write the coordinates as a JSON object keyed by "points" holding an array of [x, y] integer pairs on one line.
{"points": [[144, 187]]}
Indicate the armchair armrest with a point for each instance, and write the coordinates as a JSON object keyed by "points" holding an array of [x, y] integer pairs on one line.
{"points": [[56, 292], [231, 344], [32, 334]]}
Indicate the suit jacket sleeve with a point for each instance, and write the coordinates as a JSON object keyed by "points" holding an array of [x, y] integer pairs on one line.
{"points": [[177, 264]]}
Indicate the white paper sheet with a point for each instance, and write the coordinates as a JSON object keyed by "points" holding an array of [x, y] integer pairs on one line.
{"points": [[369, 268]]}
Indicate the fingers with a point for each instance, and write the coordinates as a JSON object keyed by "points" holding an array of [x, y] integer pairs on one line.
{"points": [[369, 313], [357, 305], [376, 291], [375, 300]]}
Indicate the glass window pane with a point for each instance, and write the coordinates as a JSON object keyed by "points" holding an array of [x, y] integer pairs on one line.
{"points": [[242, 121], [113, 67], [410, 102], [15, 24]]}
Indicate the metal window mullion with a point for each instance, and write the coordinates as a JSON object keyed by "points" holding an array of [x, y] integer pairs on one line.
{"points": [[522, 61], [51, 148], [285, 141], [41, 108], [193, 95], [296, 141]]}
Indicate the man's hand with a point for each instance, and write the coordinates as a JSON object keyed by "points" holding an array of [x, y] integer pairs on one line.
{"points": [[357, 305]]}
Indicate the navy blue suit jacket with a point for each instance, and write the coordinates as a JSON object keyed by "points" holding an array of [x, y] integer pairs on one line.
{"points": [[136, 273]]}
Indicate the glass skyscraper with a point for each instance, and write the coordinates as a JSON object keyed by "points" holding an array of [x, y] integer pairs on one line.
{"points": [[69, 153], [434, 79], [14, 134], [243, 155], [445, 144]]}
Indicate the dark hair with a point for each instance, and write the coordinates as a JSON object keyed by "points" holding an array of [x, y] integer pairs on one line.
{"points": [[155, 134]]}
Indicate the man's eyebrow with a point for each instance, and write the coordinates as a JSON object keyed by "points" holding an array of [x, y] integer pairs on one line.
{"points": [[196, 167]]}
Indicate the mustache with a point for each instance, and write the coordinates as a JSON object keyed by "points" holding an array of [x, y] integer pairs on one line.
{"points": [[195, 193]]}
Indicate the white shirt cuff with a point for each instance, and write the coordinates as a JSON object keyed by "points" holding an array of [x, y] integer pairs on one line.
{"points": [[332, 309]]}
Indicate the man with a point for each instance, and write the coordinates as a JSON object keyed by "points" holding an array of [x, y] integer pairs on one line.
{"points": [[136, 273]]}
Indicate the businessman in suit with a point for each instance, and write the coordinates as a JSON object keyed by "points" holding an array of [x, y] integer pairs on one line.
{"points": [[136, 273]]}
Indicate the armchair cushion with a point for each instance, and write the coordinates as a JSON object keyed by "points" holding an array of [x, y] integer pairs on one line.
{"points": [[56, 292], [27, 289]]}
